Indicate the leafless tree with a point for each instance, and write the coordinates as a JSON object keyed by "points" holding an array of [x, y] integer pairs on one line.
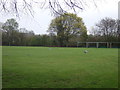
{"points": [[56, 7], [108, 28]]}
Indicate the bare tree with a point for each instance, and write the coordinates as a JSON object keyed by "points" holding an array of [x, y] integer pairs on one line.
{"points": [[56, 7], [108, 28]]}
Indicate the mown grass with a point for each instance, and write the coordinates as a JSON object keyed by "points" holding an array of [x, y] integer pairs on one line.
{"points": [[44, 67]]}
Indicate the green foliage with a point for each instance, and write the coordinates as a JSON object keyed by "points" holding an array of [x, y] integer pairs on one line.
{"points": [[10, 32], [43, 67], [10, 24], [64, 30], [66, 27]]}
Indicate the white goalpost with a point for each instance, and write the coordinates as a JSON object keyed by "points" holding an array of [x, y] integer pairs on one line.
{"points": [[99, 44]]}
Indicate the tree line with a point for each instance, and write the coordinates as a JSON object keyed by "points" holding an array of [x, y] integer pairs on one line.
{"points": [[64, 31]]}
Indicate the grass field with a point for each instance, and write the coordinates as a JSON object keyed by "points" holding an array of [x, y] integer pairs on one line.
{"points": [[44, 67]]}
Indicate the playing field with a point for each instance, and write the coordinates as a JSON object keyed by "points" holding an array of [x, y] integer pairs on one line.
{"points": [[44, 67]]}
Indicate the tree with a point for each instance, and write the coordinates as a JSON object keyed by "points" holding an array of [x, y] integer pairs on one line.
{"points": [[11, 35], [1, 33], [118, 25], [107, 28], [26, 37], [10, 29], [57, 7], [66, 27]]}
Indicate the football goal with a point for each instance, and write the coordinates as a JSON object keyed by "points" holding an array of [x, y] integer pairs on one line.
{"points": [[99, 44]]}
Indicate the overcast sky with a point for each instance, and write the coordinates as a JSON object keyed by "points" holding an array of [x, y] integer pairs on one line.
{"points": [[42, 18]]}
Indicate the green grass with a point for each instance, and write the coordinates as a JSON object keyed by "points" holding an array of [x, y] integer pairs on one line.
{"points": [[44, 67]]}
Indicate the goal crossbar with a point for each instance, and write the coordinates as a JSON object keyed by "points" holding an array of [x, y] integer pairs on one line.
{"points": [[108, 44]]}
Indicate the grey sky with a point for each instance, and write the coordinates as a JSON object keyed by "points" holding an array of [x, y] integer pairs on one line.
{"points": [[42, 18]]}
